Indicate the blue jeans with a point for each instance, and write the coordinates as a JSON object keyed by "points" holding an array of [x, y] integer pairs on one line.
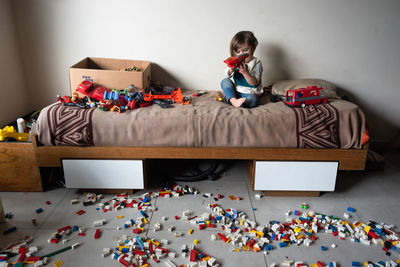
{"points": [[229, 89]]}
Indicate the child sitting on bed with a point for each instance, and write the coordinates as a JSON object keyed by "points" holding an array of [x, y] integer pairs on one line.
{"points": [[242, 85]]}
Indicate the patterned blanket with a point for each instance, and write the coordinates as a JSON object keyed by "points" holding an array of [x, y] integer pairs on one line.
{"points": [[206, 123], [69, 126]]}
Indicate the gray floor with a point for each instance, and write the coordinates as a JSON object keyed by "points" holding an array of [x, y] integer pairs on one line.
{"points": [[374, 195]]}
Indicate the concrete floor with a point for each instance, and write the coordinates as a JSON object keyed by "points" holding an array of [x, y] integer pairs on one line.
{"points": [[374, 195]]}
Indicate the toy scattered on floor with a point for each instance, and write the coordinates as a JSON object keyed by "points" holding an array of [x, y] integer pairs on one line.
{"points": [[237, 230], [304, 206], [302, 97], [350, 209], [39, 210], [9, 230], [9, 215]]}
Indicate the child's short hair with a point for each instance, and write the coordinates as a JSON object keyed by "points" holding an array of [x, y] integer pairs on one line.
{"points": [[243, 37]]}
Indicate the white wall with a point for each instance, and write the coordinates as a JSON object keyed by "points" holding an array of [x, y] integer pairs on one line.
{"points": [[13, 99], [354, 44]]}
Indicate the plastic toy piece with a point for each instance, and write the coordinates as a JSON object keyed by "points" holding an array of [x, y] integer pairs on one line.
{"points": [[350, 209], [40, 210], [175, 95], [87, 88], [10, 230], [200, 93], [97, 234], [57, 252], [234, 61], [219, 97], [304, 96], [80, 212], [58, 263], [10, 132], [193, 254]]}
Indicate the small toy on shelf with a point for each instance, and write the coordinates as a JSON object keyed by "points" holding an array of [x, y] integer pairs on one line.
{"points": [[304, 96], [9, 132]]}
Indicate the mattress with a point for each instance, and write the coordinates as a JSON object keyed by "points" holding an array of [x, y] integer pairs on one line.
{"points": [[206, 123]]}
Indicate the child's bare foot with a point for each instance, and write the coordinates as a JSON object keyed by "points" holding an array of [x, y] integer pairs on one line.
{"points": [[237, 102]]}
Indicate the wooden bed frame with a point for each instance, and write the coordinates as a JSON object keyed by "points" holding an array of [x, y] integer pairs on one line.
{"points": [[349, 159]]}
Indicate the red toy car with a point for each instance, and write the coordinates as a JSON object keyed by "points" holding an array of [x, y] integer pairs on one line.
{"points": [[304, 96]]}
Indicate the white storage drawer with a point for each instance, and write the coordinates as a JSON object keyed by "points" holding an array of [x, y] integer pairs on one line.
{"points": [[295, 175], [103, 173]]}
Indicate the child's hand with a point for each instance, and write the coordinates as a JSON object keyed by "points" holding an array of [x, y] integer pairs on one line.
{"points": [[243, 69]]}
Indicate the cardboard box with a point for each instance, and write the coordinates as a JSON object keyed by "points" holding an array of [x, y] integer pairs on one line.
{"points": [[106, 72]]}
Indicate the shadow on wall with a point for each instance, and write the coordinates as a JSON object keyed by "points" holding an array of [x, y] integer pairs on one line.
{"points": [[158, 73], [276, 66], [388, 132]]}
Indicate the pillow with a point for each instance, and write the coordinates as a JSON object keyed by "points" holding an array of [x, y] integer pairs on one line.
{"points": [[281, 87]]}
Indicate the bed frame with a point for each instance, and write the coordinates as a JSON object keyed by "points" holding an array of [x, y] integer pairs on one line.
{"points": [[349, 159]]}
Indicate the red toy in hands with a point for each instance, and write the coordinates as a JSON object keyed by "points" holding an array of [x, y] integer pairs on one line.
{"points": [[234, 61]]}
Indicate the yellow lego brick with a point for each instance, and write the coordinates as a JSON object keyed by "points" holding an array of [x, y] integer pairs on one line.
{"points": [[314, 265], [367, 229], [190, 231], [247, 248], [298, 221], [145, 265], [297, 230], [120, 216], [195, 241], [58, 263], [366, 263], [299, 236], [156, 243], [206, 258], [229, 240], [237, 250], [145, 221]]}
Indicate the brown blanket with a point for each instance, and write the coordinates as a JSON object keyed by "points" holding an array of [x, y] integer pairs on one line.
{"points": [[206, 123]]}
